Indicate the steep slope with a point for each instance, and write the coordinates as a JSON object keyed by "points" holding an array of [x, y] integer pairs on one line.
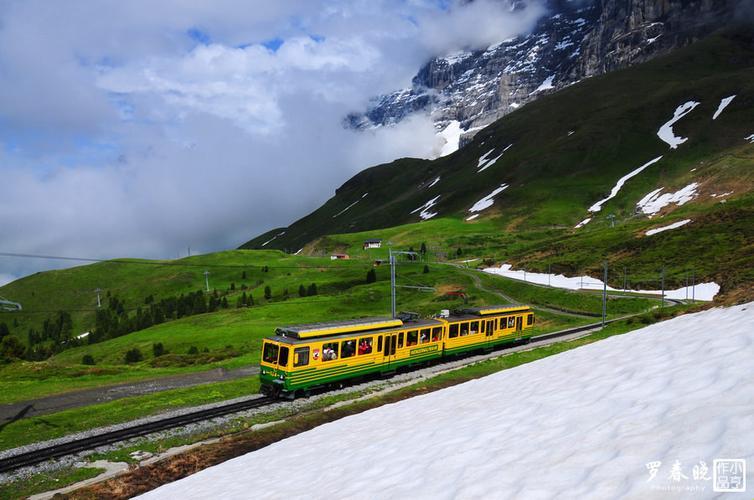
{"points": [[547, 164], [468, 90]]}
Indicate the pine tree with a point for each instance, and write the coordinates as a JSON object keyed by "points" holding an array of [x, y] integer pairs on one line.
{"points": [[267, 292], [312, 290], [423, 249], [371, 276], [87, 359], [158, 349], [243, 275], [459, 252], [426, 269], [232, 286], [225, 303], [301, 291], [4, 331]]}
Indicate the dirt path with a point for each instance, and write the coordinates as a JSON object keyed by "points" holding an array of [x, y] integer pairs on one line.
{"points": [[85, 397]]}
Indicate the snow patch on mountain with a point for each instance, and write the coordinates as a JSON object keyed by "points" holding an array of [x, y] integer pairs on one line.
{"points": [[666, 131], [750, 138], [674, 225], [452, 137], [346, 209], [598, 206], [545, 85], [723, 104], [653, 202], [488, 200], [273, 238], [434, 182], [425, 213], [702, 291], [487, 164], [582, 223]]}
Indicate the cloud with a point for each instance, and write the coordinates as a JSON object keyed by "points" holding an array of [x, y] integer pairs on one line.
{"points": [[138, 129]]}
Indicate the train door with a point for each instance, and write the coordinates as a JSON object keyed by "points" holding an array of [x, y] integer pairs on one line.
{"points": [[391, 341], [519, 321], [489, 330]]}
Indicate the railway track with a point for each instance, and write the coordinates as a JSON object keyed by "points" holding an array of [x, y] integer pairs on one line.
{"points": [[40, 455]]}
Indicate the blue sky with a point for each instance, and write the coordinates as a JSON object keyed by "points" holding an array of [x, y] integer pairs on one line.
{"points": [[140, 128]]}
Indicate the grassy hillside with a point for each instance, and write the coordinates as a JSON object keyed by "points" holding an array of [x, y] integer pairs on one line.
{"points": [[567, 151]]}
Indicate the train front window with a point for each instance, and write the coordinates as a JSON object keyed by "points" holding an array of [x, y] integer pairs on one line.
{"points": [[530, 319], [301, 356], [283, 359], [400, 340], [270, 354]]}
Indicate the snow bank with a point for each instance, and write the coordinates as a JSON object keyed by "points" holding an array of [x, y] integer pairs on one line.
{"points": [[598, 206], [272, 239], [425, 213], [653, 202], [434, 182], [472, 217], [483, 158], [666, 131], [452, 136], [488, 163], [702, 291], [723, 104], [581, 424], [668, 227], [750, 138], [488, 200]]}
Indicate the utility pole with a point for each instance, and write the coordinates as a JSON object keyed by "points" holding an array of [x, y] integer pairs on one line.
{"points": [[189, 251], [206, 279], [392, 282], [99, 302], [662, 285], [549, 273], [625, 279], [687, 285], [693, 287], [604, 297]]}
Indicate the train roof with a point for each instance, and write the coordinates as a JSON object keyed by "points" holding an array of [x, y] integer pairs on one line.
{"points": [[496, 309], [338, 329]]}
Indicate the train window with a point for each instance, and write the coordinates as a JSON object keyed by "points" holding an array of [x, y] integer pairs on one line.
{"points": [[270, 353], [283, 359], [412, 338], [436, 334], [474, 327], [530, 319], [365, 345], [347, 348], [301, 356], [464, 329], [503, 323], [424, 337], [379, 344], [329, 351], [453, 331], [400, 340], [511, 321]]}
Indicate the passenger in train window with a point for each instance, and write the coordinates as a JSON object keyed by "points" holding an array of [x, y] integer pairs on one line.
{"points": [[365, 345], [400, 340], [436, 334], [412, 338], [348, 349], [464, 329], [474, 327], [511, 321], [330, 351], [424, 336]]}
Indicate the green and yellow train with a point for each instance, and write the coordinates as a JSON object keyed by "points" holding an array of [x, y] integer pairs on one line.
{"points": [[300, 358]]}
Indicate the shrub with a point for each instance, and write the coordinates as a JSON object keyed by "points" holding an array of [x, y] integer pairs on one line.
{"points": [[158, 349], [193, 350], [87, 359], [133, 356], [426, 269], [371, 276]]}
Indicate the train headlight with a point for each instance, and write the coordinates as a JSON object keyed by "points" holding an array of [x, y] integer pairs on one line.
{"points": [[282, 376]]}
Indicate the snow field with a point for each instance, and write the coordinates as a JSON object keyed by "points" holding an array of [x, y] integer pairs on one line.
{"points": [[423, 210], [581, 424], [723, 104], [653, 202], [488, 200], [613, 192]]}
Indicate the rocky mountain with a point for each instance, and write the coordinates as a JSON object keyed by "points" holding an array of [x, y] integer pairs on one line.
{"points": [[467, 90]]}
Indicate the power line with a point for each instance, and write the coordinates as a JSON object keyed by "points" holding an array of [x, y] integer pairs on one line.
{"points": [[187, 264]]}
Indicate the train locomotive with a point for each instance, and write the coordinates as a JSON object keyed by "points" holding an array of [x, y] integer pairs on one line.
{"points": [[300, 358]]}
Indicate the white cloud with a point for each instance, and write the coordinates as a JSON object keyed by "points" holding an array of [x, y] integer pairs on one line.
{"points": [[123, 136]]}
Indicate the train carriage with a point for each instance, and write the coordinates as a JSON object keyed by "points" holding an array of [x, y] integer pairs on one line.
{"points": [[303, 357]]}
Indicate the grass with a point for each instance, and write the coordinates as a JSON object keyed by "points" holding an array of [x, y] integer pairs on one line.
{"points": [[47, 481]]}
